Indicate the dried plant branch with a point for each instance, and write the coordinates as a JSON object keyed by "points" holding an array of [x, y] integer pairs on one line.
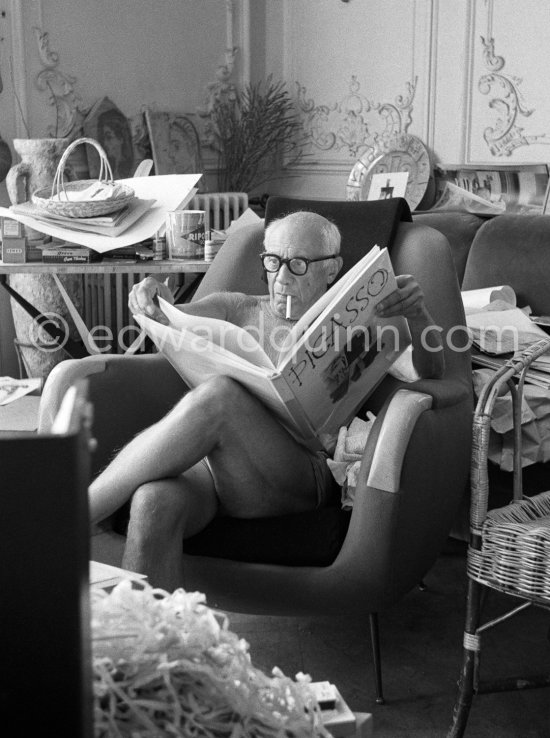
{"points": [[254, 132]]}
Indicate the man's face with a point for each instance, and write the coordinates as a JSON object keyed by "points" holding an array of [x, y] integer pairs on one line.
{"points": [[289, 241]]}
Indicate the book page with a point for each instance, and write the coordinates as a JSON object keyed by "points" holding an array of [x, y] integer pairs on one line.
{"points": [[197, 359], [224, 334]]}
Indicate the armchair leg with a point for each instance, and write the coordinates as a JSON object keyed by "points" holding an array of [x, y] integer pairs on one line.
{"points": [[376, 660]]}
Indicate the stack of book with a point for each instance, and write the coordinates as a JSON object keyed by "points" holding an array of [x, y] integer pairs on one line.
{"points": [[499, 330], [112, 225]]}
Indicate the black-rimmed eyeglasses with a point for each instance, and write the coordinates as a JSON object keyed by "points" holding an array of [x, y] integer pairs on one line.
{"points": [[298, 265]]}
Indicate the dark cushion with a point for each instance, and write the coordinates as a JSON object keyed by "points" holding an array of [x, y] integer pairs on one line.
{"points": [[304, 539]]}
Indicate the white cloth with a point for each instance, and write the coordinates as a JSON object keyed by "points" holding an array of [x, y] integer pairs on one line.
{"points": [[352, 439], [347, 457]]}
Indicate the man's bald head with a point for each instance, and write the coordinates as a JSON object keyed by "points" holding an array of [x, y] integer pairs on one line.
{"points": [[325, 233]]}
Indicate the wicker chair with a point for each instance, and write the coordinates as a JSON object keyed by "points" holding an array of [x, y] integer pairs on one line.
{"points": [[509, 548]]}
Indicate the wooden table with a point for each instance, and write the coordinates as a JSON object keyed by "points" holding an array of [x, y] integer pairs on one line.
{"points": [[114, 267]]}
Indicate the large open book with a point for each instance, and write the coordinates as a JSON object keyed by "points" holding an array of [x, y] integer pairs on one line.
{"points": [[333, 358]]}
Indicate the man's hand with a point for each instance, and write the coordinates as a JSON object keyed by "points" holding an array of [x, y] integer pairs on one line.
{"points": [[406, 300], [142, 299]]}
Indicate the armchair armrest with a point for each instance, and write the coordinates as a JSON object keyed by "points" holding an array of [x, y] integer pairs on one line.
{"points": [[412, 478], [393, 439], [127, 393]]}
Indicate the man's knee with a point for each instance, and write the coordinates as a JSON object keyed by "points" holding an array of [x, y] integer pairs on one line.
{"points": [[156, 506], [218, 399]]}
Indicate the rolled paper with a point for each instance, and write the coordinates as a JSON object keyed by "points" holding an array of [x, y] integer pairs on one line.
{"points": [[288, 306]]}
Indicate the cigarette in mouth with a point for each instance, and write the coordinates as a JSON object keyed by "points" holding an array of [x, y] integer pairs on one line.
{"points": [[288, 306]]}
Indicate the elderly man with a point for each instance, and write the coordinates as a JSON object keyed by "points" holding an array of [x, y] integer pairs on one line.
{"points": [[219, 451]]}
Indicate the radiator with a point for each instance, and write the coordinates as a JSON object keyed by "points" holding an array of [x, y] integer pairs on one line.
{"points": [[106, 295], [220, 207]]}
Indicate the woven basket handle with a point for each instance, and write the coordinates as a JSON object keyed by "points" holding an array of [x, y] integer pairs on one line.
{"points": [[105, 171]]}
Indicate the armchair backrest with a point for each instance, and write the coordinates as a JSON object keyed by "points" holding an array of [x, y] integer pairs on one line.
{"points": [[513, 249]]}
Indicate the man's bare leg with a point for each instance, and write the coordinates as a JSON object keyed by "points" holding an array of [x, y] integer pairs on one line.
{"points": [[163, 513], [259, 469]]}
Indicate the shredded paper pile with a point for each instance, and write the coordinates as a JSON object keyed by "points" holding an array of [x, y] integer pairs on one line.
{"points": [[168, 665]]}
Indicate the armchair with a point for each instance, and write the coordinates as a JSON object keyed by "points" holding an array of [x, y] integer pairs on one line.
{"points": [[413, 474]]}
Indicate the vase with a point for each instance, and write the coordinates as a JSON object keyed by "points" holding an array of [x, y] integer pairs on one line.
{"points": [[5, 159], [36, 170]]}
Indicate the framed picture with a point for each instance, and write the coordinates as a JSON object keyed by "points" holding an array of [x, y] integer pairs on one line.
{"points": [[385, 185], [175, 143], [141, 143], [106, 124]]}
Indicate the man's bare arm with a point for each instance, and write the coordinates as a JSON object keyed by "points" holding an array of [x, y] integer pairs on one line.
{"points": [[408, 300], [143, 300]]}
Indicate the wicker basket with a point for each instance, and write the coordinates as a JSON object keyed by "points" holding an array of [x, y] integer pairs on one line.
{"points": [[68, 208]]}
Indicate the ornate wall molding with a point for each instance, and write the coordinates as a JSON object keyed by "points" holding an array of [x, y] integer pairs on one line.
{"points": [[224, 88], [19, 67], [507, 100], [69, 109], [355, 123]]}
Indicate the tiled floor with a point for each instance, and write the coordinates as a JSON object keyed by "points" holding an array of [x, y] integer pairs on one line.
{"points": [[421, 652]]}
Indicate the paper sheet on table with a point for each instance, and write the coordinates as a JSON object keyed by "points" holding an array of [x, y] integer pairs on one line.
{"points": [[12, 389], [170, 191], [503, 331], [475, 300], [106, 575]]}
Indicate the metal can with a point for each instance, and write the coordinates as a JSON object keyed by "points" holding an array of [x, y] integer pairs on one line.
{"points": [[211, 248]]}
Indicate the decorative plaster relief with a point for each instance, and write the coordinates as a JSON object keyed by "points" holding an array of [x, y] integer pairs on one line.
{"points": [[506, 135], [69, 110], [223, 89], [355, 123], [219, 91]]}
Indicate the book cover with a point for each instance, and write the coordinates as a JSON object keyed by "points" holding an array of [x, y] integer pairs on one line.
{"points": [[336, 354]]}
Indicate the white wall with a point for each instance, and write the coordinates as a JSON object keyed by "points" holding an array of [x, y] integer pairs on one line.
{"points": [[468, 105], [360, 69]]}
